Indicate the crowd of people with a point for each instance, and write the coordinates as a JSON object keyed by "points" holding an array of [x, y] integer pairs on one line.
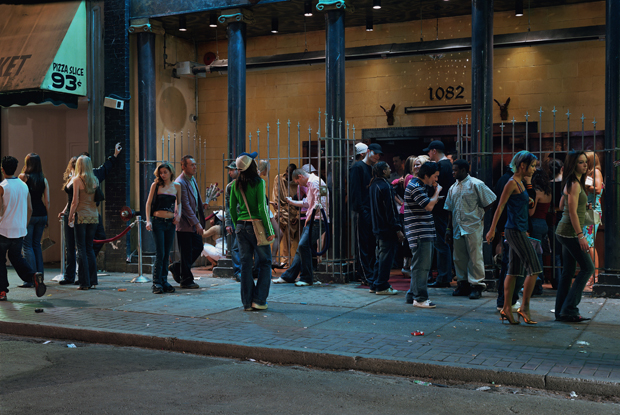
{"points": [[428, 209]]}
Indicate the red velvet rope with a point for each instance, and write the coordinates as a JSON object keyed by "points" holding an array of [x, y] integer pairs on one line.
{"points": [[119, 236]]}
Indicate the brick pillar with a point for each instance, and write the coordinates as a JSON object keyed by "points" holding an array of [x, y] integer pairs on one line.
{"points": [[116, 67]]}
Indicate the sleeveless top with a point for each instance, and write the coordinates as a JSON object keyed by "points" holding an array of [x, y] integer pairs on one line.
{"points": [[541, 210], [36, 197], [13, 222], [565, 227], [517, 210], [87, 208], [164, 202]]}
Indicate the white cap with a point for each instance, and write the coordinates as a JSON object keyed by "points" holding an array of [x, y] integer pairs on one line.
{"points": [[360, 148]]}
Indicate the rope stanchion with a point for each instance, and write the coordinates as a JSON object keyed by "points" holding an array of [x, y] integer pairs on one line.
{"points": [[140, 277], [119, 236]]}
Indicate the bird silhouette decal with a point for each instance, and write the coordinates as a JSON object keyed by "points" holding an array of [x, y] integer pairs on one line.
{"points": [[503, 109], [389, 113]]}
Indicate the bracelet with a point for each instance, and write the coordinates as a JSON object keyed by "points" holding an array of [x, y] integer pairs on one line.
{"points": [[583, 237], [579, 233]]}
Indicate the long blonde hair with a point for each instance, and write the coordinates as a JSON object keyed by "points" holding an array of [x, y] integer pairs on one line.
{"points": [[84, 170], [68, 174], [593, 162]]}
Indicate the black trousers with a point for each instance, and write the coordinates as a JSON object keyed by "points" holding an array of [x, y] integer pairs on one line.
{"points": [[99, 235], [366, 246], [190, 247]]}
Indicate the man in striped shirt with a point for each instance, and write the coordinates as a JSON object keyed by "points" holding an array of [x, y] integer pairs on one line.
{"points": [[420, 231]]}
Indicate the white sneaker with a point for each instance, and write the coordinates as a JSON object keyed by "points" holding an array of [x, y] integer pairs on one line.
{"points": [[259, 307], [372, 291], [280, 281], [389, 291], [424, 304], [302, 284]]}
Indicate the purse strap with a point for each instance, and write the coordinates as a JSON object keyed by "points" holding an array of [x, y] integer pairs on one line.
{"points": [[245, 201]]}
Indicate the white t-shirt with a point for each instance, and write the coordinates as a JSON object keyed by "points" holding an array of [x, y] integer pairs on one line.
{"points": [[15, 199]]}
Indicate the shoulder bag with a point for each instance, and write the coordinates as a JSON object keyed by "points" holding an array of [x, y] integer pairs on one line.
{"points": [[257, 224]]}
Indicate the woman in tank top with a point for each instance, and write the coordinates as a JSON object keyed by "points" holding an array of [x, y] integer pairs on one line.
{"points": [[69, 233], [594, 189], [32, 175], [522, 254], [575, 248], [84, 217], [163, 210]]}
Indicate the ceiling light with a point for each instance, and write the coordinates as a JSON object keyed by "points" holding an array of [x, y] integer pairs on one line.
{"points": [[308, 9], [213, 20], [518, 8], [369, 24], [274, 25], [182, 24], [376, 4]]}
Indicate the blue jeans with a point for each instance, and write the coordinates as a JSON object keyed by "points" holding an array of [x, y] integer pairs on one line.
{"points": [[234, 254], [69, 250], [302, 263], [568, 296], [387, 246], [84, 236], [539, 231], [13, 247], [420, 266], [31, 249], [163, 234], [444, 254], [248, 249]]}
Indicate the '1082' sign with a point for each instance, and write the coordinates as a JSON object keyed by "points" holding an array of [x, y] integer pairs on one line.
{"points": [[448, 93]]}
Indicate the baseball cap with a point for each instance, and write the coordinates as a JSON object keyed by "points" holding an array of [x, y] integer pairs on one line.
{"points": [[360, 148], [244, 160], [308, 168], [435, 145], [232, 165], [376, 148]]}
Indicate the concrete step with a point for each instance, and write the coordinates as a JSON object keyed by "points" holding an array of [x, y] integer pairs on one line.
{"points": [[606, 290]]}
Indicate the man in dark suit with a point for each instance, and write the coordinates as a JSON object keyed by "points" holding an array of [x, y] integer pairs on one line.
{"points": [[191, 225]]}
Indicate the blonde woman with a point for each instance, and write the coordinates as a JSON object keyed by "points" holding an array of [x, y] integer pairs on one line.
{"points": [[83, 216], [163, 211]]}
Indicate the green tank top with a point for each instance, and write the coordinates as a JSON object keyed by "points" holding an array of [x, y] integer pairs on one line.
{"points": [[565, 227]]}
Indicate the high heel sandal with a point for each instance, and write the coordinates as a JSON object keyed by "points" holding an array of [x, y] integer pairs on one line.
{"points": [[503, 316], [526, 319]]}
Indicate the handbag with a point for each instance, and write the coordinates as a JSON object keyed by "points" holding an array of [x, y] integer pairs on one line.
{"points": [[99, 196], [592, 218], [257, 224]]}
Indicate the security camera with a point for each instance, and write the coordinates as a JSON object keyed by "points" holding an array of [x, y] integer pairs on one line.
{"points": [[193, 118], [113, 103]]}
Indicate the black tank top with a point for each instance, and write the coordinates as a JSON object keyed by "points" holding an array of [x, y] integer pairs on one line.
{"points": [[164, 202], [36, 197]]}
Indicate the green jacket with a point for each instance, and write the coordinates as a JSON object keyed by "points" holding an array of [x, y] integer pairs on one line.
{"points": [[258, 205]]}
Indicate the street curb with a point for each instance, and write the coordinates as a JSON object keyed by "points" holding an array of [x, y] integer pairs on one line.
{"points": [[437, 371]]}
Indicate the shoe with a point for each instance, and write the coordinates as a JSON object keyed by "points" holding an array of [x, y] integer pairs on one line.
{"points": [[39, 286], [248, 309], [439, 285], [526, 318], [516, 306], [503, 316], [175, 274], [26, 285], [190, 286], [157, 290], [259, 307], [475, 294], [93, 287], [277, 266], [424, 304], [574, 319], [280, 280], [463, 289], [2, 295], [389, 291], [372, 290], [169, 289], [302, 284], [80, 288], [65, 282]]}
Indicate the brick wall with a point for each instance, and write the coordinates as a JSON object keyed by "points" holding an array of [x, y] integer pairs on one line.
{"points": [[116, 68]]}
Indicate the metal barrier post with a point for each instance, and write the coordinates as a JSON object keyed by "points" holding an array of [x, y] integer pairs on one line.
{"points": [[61, 276], [140, 277]]}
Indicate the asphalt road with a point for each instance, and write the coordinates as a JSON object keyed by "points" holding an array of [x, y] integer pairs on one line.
{"points": [[38, 378]]}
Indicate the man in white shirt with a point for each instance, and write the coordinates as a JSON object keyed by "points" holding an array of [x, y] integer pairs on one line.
{"points": [[15, 211]]}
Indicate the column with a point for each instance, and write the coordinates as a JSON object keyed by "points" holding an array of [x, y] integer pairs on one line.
{"points": [[237, 21], [609, 280]]}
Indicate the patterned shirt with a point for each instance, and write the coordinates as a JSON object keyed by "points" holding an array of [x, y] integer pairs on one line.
{"points": [[314, 196], [466, 200], [419, 224]]}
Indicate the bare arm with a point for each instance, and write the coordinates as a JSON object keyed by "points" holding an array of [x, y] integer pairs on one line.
{"points": [[539, 195], [434, 199], [47, 195], [506, 193], [23, 177], [177, 214], [149, 201], [1, 201], [29, 208]]}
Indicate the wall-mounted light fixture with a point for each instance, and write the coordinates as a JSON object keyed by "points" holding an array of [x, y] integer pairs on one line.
{"points": [[518, 8], [376, 4], [274, 25], [182, 24], [308, 9], [369, 23], [213, 20]]}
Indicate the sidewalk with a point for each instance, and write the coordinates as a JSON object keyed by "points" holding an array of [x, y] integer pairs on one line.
{"points": [[335, 327]]}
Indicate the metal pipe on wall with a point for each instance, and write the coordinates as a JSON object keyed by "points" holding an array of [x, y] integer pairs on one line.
{"points": [[236, 88]]}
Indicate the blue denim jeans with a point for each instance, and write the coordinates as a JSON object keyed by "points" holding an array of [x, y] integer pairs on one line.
{"points": [[163, 234], [420, 266], [444, 253], [302, 263], [248, 249], [84, 235], [234, 254], [568, 296], [31, 249], [385, 252], [69, 250], [13, 247]]}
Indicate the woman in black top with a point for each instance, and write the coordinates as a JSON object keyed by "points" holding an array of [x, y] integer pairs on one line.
{"points": [[67, 178], [32, 175], [164, 196]]}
